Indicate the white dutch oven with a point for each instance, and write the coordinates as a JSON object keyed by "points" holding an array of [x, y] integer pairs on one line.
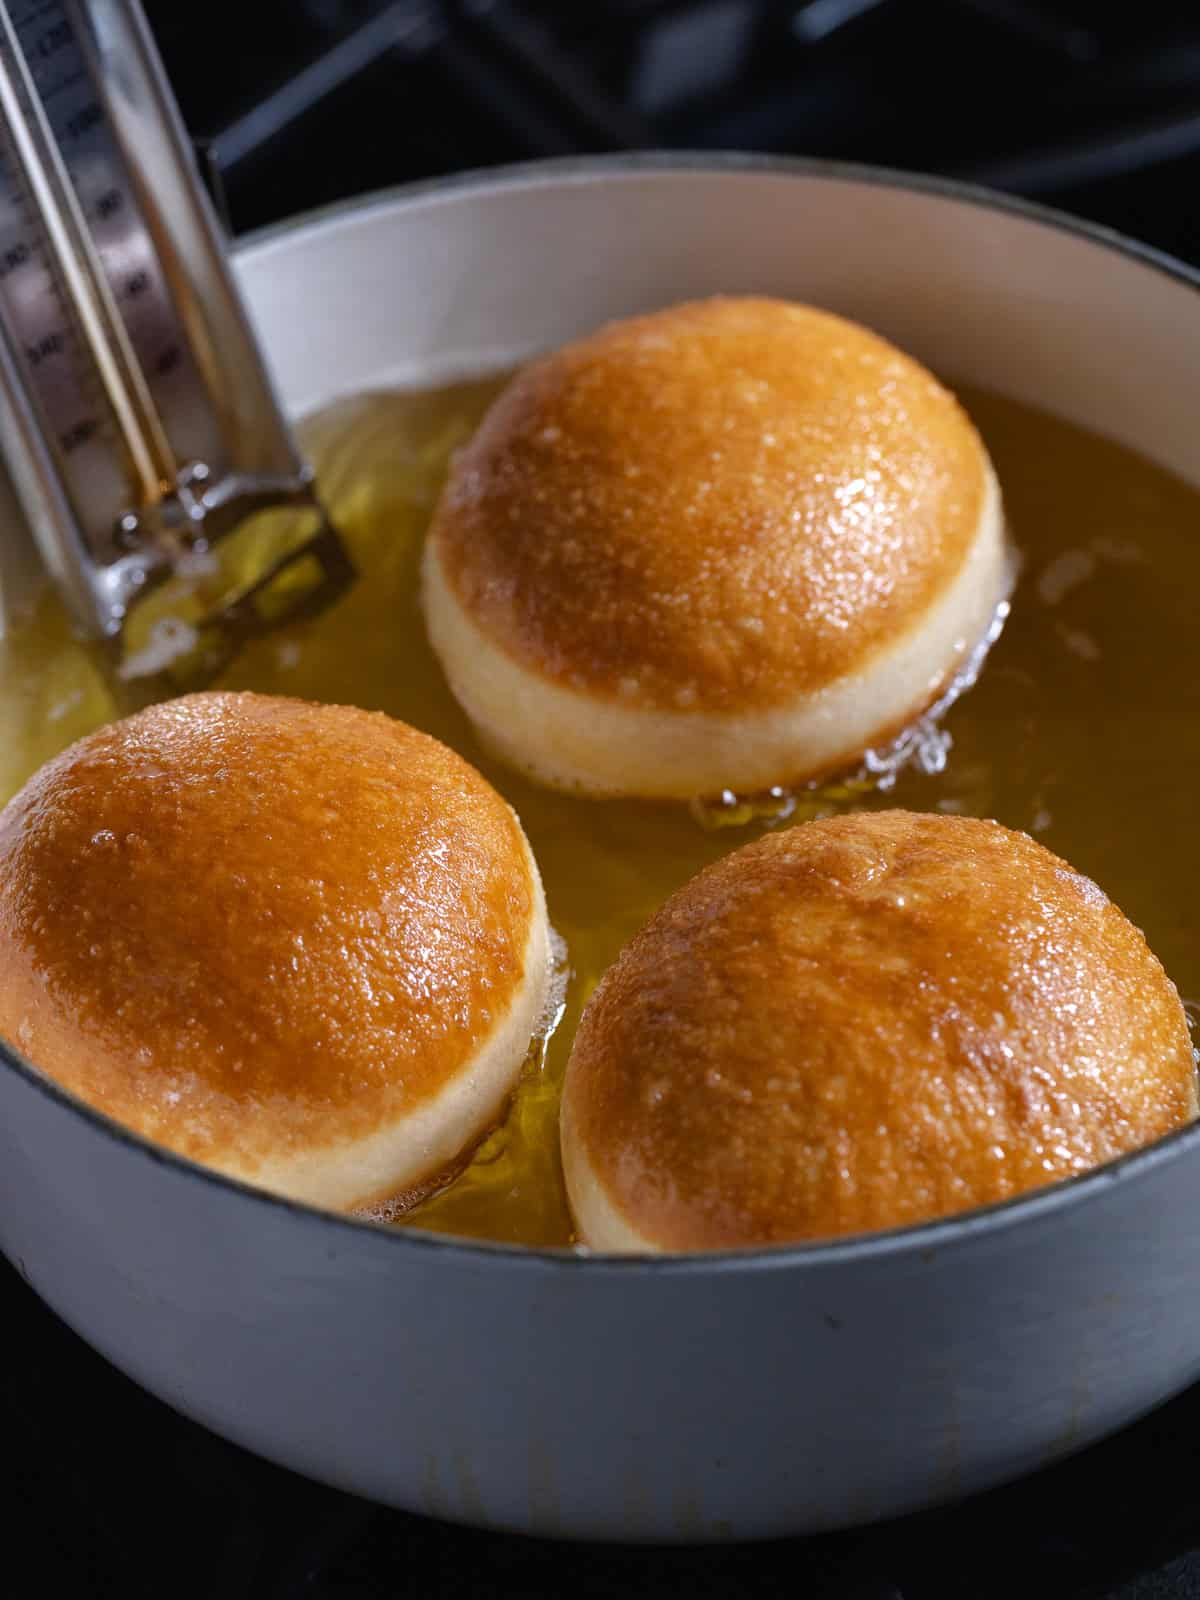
{"points": [[780, 1392]]}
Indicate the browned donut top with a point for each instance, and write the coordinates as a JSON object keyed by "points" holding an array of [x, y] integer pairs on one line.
{"points": [[866, 1022], [721, 506], [244, 923]]}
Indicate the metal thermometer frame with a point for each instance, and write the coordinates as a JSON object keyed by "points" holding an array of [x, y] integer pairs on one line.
{"points": [[174, 504]]}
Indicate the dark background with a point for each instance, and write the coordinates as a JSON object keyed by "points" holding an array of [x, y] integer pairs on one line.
{"points": [[295, 103], [1091, 104]]}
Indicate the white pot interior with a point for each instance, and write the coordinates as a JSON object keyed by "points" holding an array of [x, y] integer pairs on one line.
{"points": [[406, 289]]}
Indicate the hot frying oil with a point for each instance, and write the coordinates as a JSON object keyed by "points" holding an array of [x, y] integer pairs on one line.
{"points": [[1083, 730]]}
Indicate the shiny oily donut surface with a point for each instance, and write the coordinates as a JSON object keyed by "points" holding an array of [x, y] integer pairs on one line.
{"points": [[730, 543], [304, 944], [862, 1023]]}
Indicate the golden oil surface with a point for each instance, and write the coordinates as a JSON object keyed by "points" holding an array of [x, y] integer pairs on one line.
{"points": [[1084, 728]]}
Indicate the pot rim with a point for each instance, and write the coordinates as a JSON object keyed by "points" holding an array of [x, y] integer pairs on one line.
{"points": [[923, 1239]]}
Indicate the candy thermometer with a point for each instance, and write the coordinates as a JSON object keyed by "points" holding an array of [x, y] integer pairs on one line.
{"points": [[138, 422]]}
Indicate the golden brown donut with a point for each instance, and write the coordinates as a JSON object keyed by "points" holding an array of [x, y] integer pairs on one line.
{"points": [[726, 545], [304, 944], [863, 1023]]}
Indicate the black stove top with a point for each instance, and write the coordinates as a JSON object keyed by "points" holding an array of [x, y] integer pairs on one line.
{"points": [[1089, 105], [295, 103]]}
